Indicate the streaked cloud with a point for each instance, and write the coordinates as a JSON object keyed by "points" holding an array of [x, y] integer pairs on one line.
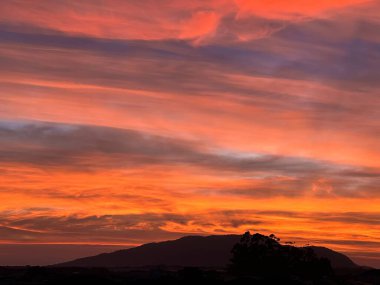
{"points": [[129, 229], [93, 148], [193, 20]]}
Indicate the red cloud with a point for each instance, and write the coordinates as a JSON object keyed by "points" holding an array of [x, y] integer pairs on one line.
{"points": [[201, 24], [151, 20], [292, 9]]}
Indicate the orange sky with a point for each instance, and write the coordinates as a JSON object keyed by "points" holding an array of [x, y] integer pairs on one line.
{"points": [[124, 122]]}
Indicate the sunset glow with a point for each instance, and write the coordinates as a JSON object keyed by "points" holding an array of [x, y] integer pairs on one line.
{"points": [[125, 122]]}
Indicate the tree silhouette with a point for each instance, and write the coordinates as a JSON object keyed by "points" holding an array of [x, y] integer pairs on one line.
{"points": [[272, 236], [261, 255]]}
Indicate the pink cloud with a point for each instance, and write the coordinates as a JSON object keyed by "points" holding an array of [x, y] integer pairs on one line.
{"points": [[151, 20], [292, 9], [201, 24]]}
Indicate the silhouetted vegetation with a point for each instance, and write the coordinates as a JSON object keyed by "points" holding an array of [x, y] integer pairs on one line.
{"points": [[259, 255]]}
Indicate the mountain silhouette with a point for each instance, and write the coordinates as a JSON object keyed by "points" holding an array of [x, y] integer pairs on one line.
{"points": [[337, 259], [189, 251]]}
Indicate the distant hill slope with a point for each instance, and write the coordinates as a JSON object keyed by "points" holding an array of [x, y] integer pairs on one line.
{"points": [[209, 251], [213, 251], [337, 259]]}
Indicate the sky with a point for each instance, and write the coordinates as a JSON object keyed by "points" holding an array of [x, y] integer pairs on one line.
{"points": [[126, 122]]}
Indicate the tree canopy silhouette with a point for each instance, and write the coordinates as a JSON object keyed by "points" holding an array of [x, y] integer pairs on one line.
{"points": [[262, 255]]}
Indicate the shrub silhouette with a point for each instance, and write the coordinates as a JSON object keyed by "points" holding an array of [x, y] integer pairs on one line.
{"points": [[260, 255]]}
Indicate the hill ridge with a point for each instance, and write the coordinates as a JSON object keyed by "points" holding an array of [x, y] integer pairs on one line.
{"points": [[194, 250]]}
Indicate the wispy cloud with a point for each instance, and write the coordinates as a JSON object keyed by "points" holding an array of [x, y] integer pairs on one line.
{"points": [[193, 20]]}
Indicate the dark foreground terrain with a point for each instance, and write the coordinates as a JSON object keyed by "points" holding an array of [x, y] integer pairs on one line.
{"points": [[248, 259], [188, 275]]}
